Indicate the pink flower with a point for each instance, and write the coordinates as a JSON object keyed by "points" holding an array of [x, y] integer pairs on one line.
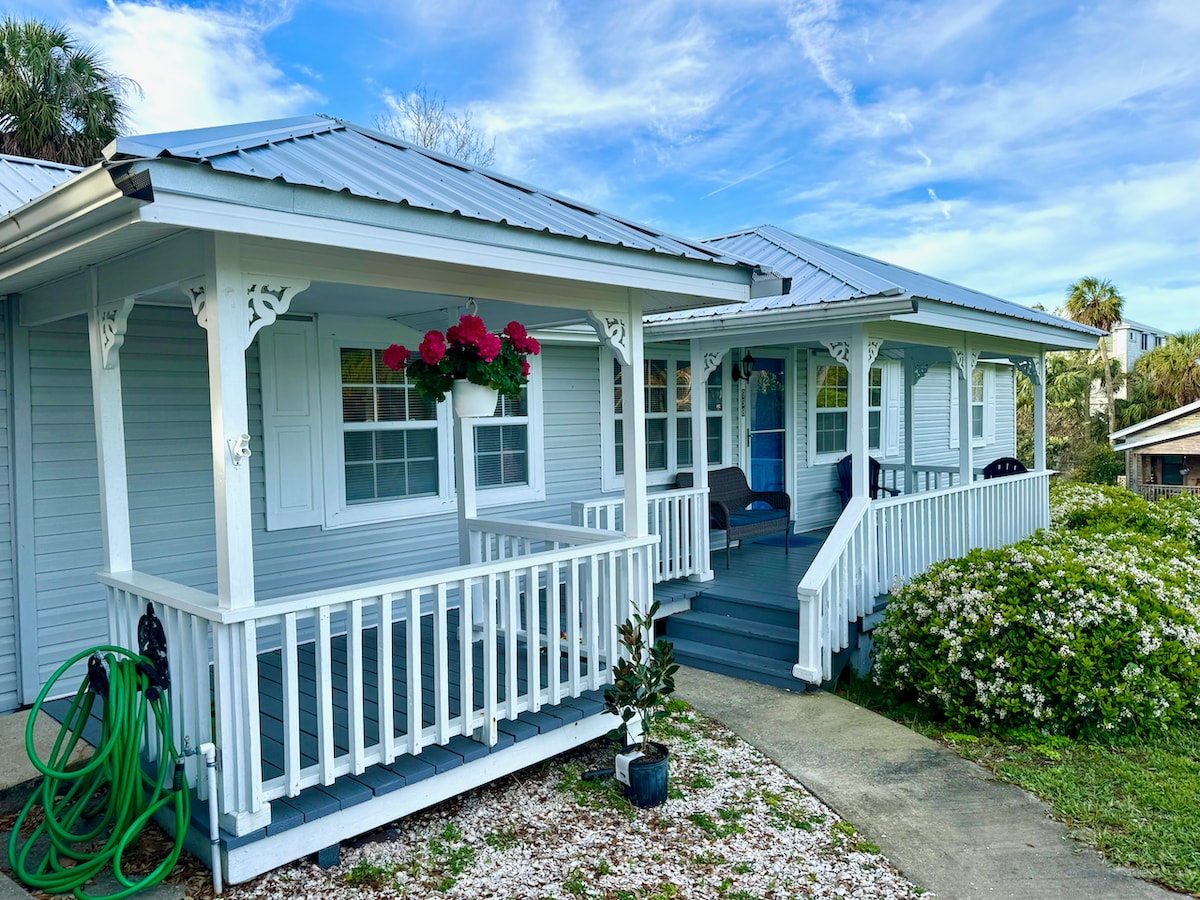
{"points": [[520, 339], [433, 348], [469, 332], [489, 347], [396, 357], [525, 368]]}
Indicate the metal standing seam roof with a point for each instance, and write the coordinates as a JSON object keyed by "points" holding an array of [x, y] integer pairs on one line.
{"points": [[339, 156], [23, 179], [823, 273]]}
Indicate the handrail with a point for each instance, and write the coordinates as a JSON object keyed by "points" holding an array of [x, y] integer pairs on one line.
{"points": [[901, 499], [838, 587], [181, 597]]}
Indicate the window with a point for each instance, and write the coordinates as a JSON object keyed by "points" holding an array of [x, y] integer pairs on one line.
{"points": [[977, 403], [830, 403], [832, 409], [668, 417], [389, 432], [1145, 341], [502, 449], [348, 441]]}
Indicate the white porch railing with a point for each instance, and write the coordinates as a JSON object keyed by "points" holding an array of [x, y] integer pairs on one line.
{"points": [[839, 587], [1158, 491], [878, 544], [679, 518], [330, 638], [924, 478]]}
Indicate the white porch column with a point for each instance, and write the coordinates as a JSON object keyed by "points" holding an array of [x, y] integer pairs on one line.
{"points": [[622, 333], [703, 364], [910, 385], [106, 334], [965, 359], [464, 479], [222, 309]]}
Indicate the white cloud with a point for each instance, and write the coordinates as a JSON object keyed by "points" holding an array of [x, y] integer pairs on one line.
{"points": [[197, 66]]}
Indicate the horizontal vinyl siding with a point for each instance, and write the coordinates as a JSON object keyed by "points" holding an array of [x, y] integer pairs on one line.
{"points": [[8, 610], [67, 546]]}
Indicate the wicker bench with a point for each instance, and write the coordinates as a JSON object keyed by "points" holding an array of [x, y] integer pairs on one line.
{"points": [[728, 498]]}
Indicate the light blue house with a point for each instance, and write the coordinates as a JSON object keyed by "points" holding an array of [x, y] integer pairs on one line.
{"points": [[200, 287]]}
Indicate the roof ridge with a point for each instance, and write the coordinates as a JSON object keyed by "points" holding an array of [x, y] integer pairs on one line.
{"points": [[33, 161]]}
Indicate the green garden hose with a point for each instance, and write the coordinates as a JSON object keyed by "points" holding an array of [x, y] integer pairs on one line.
{"points": [[95, 812]]}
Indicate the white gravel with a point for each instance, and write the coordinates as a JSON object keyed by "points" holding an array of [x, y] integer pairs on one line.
{"points": [[737, 827]]}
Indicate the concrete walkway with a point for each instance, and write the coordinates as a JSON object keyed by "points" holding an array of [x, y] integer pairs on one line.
{"points": [[943, 821]]}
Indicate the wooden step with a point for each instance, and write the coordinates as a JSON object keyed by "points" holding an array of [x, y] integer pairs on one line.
{"points": [[735, 664], [732, 633], [783, 612]]}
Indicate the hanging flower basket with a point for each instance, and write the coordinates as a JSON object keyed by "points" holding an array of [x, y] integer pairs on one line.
{"points": [[473, 400], [467, 354]]}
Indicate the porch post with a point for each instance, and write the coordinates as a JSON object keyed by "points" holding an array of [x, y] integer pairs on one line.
{"points": [[702, 365], [1039, 414], [910, 386], [633, 399], [106, 334], [965, 359], [464, 477], [858, 367]]}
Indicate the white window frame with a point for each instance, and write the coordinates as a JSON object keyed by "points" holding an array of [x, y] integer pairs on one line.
{"points": [[336, 333], [610, 479], [535, 489], [815, 361], [989, 405]]}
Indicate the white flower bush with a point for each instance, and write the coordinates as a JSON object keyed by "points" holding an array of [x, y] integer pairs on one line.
{"points": [[1089, 629]]}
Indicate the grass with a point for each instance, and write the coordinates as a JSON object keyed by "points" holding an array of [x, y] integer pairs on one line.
{"points": [[1137, 802]]}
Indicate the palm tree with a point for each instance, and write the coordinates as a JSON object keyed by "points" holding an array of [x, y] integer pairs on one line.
{"points": [[1173, 370], [57, 100], [1096, 302]]}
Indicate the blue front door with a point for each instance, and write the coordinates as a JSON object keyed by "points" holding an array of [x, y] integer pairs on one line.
{"points": [[766, 395]]}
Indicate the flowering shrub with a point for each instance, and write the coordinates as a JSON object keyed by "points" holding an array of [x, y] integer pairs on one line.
{"points": [[1088, 629], [467, 351]]}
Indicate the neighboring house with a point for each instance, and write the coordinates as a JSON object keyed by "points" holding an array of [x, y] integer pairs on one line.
{"points": [[1162, 454], [199, 287], [1127, 343]]}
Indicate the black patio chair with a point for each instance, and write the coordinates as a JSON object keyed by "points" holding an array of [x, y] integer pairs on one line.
{"points": [[1005, 465], [845, 473]]}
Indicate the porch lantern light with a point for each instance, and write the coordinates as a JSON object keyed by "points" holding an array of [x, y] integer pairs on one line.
{"points": [[746, 370]]}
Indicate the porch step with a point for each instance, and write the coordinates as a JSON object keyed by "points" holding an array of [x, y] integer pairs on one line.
{"points": [[736, 664], [875, 616], [752, 606], [744, 635]]}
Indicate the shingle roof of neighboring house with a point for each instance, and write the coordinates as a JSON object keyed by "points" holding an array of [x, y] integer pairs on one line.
{"points": [[339, 156], [23, 179], [823, 273]]}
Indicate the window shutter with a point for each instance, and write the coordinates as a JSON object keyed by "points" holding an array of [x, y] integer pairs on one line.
{"points": [[954, 412], [291, 398], [893, 406]]}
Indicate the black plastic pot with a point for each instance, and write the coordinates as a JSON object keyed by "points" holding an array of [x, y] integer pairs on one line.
{"points": [[648, 779]]}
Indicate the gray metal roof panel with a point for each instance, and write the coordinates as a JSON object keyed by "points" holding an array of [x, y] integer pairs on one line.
{"points": [[824, 273], [23, 179], [339, 156]]}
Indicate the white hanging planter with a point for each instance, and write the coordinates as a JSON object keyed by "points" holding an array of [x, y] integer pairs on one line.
{"points": [[473, 400]]}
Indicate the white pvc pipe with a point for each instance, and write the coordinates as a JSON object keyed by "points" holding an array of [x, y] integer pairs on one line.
{"points": [[209, 752]]}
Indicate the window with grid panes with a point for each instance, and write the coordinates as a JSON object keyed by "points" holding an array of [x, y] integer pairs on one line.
{"points": [[669, 415], [714, 406], [977, 403], [389, 432], [832, 404], [875, 409], [502, 445]]}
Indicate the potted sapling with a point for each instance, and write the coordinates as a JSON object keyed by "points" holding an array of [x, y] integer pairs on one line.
{"points": [[643, 681]]}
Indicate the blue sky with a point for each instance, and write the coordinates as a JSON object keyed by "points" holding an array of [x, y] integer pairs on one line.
{"points": [[1009, 146]]}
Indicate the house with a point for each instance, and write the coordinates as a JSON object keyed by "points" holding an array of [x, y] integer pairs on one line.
{"points": [[371, 604], [1162, 454], [1127, 343], [860, 357]]}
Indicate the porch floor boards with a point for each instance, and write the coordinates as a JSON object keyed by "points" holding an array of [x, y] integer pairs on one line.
{"points": [[762, 570]]}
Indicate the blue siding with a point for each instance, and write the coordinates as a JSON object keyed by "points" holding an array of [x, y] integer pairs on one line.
{"points": [[8, 611]]}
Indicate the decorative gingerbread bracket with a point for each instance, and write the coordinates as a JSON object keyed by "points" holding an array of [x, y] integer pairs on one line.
{"points": [[1033, 368], [114, 321], [921, 362], [710, 360], [264, 303], [965, 361], [613, 331], [840, 350]]}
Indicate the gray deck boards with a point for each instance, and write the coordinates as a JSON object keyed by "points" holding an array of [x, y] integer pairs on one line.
{"points": [[759, 570]]}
